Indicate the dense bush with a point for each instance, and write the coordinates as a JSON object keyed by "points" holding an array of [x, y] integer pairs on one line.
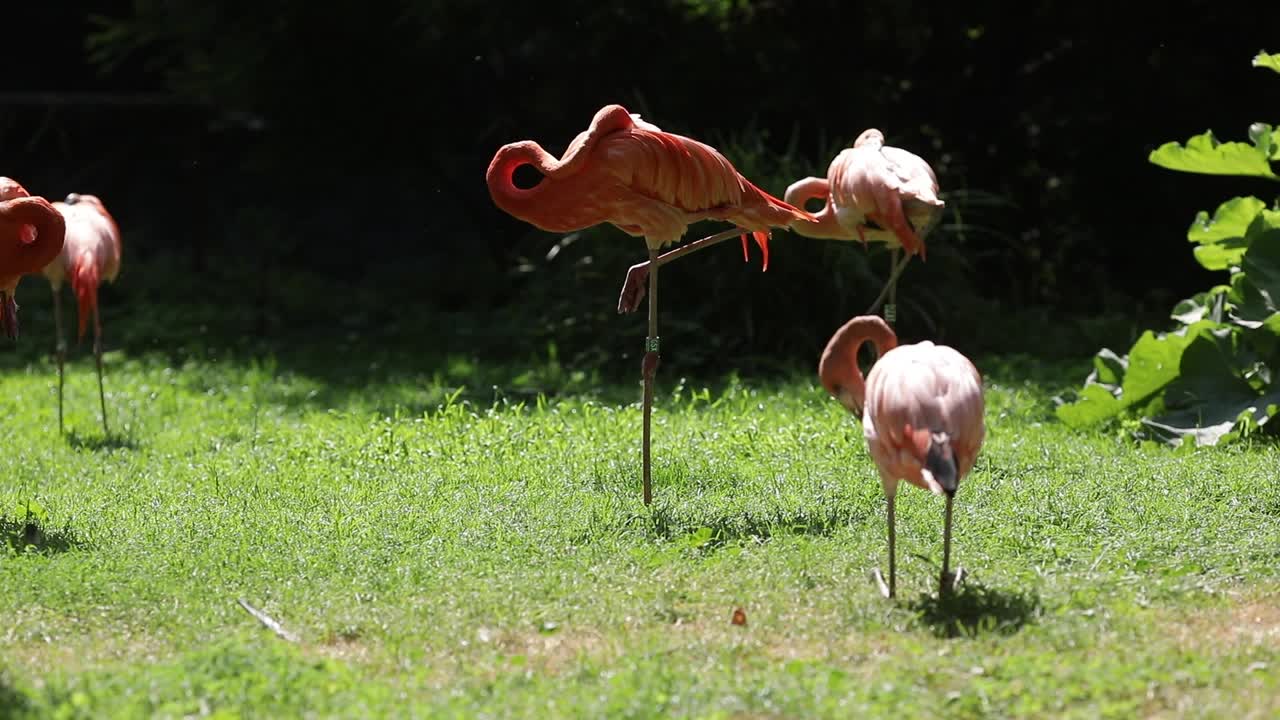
{"points": [[1217, 375]]}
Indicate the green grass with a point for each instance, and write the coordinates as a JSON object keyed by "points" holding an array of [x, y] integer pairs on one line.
{"points": [[444, 547]]}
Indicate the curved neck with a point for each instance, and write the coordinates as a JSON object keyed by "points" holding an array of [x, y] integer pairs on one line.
{"points": [[501, 175], [826, 226], [21, 254], [838, 368]]}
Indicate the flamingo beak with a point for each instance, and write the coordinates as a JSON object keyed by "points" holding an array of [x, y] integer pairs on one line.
{"points": [[8, 315]]}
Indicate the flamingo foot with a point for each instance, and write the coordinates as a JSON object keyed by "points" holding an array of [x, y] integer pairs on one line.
{"points": [[633, 288], [885, 590]]}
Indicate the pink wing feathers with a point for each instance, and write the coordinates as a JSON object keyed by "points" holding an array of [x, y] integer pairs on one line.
{"points": [[90, 255], [917, 389], [627, 172]]}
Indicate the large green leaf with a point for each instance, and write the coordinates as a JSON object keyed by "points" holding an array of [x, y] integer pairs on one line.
{"points": [[1209, 424], [1204, 154], [1094, 405], [1272, 61], [1261, 262], [1152, 363], [1222, 238]]}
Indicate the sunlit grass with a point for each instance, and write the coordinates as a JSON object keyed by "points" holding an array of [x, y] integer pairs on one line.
{"points": [[447, 543]]}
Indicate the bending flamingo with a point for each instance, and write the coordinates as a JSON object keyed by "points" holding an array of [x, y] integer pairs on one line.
{"points": [[90, 256], [649, 183], [31, 234], [895, 189], [922, 416]]}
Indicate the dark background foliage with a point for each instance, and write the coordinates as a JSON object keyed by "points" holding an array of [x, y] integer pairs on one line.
{"points": [[244, 146]]}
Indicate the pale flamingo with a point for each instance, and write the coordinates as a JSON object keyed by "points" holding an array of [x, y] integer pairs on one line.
{"points": [[31, 234], [895, 189], [90, 256], [649, 183], [922, 415]]}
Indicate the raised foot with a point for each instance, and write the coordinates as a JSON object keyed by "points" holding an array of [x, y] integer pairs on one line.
{"points": [[885, 590], [633, 288], [950, 582]]}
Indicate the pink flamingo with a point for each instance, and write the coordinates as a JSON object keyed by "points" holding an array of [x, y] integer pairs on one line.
{"points": [[922, 416], [31, 234], [895, 189], [90, 256], [649, 183]]}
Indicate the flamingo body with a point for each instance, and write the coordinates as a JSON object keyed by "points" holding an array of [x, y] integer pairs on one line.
{"points": [[889, 186], [90, 255], [629, 173], [31, 234]]}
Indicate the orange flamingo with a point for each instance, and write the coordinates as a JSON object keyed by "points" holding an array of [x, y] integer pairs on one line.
{"points": [[922, 416], [649, 183], [90, 256], [31, 234], [895, 189]]}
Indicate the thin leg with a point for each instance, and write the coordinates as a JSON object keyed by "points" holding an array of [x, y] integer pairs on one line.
{"points": [[890, 289], [948, 582], [633, 286], [889, 589], [97, 356], [649, 368], [59, 348]]}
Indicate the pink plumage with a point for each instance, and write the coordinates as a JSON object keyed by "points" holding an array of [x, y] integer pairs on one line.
{"points": [[921, 408], [890, 186]]}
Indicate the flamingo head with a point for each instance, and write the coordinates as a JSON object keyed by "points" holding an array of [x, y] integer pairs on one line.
{"points": [[940, 462]]}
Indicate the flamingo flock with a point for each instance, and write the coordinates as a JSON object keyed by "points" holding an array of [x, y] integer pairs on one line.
{"points": [[921, 407], [77, 239]]}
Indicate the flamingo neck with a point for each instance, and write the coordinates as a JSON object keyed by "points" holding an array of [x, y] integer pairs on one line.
{"points": [[824, 225], [838, 368], [501, 176]]}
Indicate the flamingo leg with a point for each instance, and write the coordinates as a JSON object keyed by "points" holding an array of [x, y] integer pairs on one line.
{"points": [[889, 589], [648, 369], [948, 582], [97, 356], [890, 289], [59, 348], [633, 286]]}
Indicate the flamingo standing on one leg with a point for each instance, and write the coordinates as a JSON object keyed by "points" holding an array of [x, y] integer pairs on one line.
{"points": [[90, 256], [891, 187], [31, 234], [922, 416], [647, 182]]}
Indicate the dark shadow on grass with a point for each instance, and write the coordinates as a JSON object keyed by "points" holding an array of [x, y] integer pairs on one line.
{"points": [[29, 536], [112, 441], [13, 702], [975, 609], [712, 532]]}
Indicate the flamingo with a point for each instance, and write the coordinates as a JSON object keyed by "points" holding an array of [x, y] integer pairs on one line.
{"points": [[649, 183], [31, 234], [895, 189], [91, 255], [922, 416]]}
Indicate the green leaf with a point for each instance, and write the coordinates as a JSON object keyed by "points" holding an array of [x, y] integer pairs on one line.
{"points": [[1155, 361], [1262, 59], [1109, 368], [1211, 423], [1095, 404], [1201, 306], [1204, 154], [1261, 262], [1230, 220]]}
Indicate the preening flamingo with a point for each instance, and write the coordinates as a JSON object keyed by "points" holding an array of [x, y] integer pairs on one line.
{"points": [[90, 256], [895, 189], [649, 183], [922, 415], [31, 234]]}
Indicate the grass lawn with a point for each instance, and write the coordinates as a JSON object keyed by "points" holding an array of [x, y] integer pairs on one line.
{"points": [[485, 553]]}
